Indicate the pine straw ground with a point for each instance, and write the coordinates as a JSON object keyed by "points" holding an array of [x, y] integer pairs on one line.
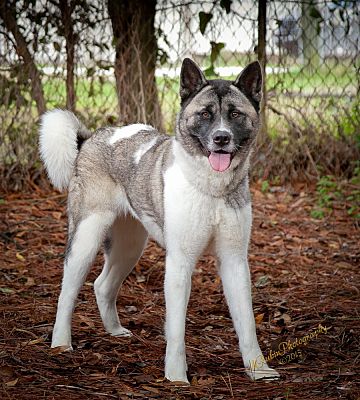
{"points": [[305, 273]]}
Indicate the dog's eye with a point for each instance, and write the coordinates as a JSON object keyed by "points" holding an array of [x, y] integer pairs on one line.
{"points": [[205, 114], [235, 114]]}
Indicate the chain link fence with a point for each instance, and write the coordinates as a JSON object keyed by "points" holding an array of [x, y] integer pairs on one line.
{"points": [[312, 89]]}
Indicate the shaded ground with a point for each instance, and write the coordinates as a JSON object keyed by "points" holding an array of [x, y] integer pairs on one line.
{"points": [[305, 273]]}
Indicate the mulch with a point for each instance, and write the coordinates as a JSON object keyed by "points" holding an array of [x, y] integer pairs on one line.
{"points": [[305, 274]]}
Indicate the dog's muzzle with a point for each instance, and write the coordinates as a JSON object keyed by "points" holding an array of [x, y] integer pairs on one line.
{"points": [[219, 158]]}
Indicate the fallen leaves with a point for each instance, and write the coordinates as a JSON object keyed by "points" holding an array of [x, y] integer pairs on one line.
{"points": [[304, 272]]}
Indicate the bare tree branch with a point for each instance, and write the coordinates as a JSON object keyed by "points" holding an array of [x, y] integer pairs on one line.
{"points": [[66, 9], [10, 23]]}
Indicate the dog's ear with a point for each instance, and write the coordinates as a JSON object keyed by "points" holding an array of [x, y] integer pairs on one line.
{"points": [[249, 82], [191, 78]]}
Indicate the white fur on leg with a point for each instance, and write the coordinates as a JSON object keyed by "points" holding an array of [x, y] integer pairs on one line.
{"points": [[177, 293], [187, 233], [231, 247], [106, 288], [236, 283], [128, 239], [88, 237]]}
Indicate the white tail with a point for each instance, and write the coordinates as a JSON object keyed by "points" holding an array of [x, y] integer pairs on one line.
{"points": [[59, 131]]}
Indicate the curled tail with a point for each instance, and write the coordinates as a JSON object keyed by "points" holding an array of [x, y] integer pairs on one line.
{"points": [[60, 132]]}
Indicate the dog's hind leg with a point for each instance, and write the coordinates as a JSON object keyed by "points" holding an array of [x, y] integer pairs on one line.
{"points": [[84, 243], [123, 249]]}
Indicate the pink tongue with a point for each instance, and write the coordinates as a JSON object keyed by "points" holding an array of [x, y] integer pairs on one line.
{"points": [[219, 162]]}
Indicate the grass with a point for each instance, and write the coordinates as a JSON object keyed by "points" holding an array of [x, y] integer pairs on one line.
{"points": [[338, 116], [91, 94], [98, 90], [332, 107], [333, 88], [318, 104]]}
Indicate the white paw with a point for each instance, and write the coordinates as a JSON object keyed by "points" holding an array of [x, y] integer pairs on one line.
{"points": [[175, 363], [176, 377], [121, 332], [175, 369], [55, 349], [61, 342], [264, 372]]}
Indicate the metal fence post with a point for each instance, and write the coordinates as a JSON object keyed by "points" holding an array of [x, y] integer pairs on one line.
{"points": [[261, 52]]}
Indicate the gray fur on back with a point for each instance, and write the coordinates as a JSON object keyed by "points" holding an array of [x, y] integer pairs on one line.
{"points": [[123, 171]]}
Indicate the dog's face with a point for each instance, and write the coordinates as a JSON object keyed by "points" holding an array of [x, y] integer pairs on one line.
{"points": [[219, 119]]}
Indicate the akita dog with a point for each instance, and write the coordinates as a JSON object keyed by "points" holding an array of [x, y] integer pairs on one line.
{"points": [[189, 192]]}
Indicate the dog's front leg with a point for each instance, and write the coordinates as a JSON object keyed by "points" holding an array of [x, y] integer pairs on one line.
{"points": [[177, 291], [231, 248], [235, 276]]}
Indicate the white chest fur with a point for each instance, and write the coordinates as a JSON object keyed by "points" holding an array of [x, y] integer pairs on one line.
{"points": [[194, 218]]}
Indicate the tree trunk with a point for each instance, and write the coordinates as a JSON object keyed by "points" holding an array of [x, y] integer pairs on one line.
{"points": [[261, 50], [135, 60], [10, 23], [66, 9]]}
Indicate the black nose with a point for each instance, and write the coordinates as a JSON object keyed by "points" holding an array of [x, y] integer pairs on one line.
{"points": [[221, 138]]}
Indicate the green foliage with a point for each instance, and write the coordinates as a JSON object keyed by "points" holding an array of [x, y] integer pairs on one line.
{"points": [[329, 190], [349, 121], [215, 52], [265, 185], [354, 196], [317, 213], [204, 19], [226, 4]]}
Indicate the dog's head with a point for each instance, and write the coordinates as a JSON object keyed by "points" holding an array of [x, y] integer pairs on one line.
{"points": [[219, 119]]}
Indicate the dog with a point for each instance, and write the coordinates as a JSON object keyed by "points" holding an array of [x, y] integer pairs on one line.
{"points": [[189, 192]]}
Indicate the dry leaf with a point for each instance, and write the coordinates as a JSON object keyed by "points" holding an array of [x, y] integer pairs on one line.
{"points": [[286, 318], [30, 281], [57, 215], [36, 341], [12, 383], [259, 318], [20, 257]]}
